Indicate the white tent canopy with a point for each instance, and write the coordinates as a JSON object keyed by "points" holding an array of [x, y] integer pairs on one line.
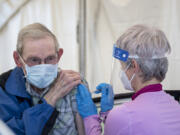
{"points": [[104, 21]]}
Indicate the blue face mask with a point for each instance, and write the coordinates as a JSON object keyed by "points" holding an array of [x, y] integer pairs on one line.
{"points": [[41, 75]]}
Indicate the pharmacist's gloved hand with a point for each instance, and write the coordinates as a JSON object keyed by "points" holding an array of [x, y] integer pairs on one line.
{"points": [[85, 104], [107, 98]]}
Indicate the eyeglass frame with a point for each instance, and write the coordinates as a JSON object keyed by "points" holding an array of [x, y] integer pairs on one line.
{"points": [[39, 60]]}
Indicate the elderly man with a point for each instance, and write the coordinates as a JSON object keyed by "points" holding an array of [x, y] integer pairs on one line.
{"points": [[37, 97]]}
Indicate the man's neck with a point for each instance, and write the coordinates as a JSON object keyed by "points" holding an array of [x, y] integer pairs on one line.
{"points": [[38, 90]]}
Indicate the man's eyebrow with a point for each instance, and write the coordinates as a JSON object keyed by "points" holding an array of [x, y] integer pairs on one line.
{"points": [[32, 56], [51, 55]]}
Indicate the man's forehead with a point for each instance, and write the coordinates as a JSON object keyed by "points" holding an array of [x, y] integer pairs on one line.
{"points": [[27, 39], [41, 47]]}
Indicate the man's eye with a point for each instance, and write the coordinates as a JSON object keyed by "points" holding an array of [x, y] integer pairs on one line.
{"points": [[51, 58], [34, 60]]}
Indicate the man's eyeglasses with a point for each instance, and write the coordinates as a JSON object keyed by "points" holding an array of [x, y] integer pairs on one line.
{"points": [[32, 61]]}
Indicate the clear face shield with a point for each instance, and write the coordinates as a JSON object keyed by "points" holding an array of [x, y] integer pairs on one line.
{"points": [[120, 57], [119, 79]]}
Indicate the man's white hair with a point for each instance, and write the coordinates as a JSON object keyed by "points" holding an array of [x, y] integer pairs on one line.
{"points": [[34, 31]]}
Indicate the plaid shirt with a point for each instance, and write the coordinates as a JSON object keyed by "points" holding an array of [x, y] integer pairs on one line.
{"points": [[67, 107]]}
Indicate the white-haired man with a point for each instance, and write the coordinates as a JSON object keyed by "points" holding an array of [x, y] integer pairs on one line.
{"points": [[37, 97]]}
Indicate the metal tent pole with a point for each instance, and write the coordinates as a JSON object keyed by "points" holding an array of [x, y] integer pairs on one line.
{"points": [[82, 37]]}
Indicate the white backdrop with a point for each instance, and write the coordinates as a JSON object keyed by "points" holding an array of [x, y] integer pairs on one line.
{"points": [[60, 16], [106, 21], [110, 18]]}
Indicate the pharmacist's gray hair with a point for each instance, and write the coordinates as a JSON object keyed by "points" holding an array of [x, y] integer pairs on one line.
{"points": [[151, 46]]}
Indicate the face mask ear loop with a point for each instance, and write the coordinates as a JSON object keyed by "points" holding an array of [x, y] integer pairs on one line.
{"points": [[132, 75], [127, 67], [24, 65], [21, 59]]}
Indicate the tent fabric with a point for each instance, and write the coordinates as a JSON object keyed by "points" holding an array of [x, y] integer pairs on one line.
{"points": [[60, 16], [110, 18], [106, 20]]}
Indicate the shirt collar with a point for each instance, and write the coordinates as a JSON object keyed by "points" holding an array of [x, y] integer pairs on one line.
{"points": [[33, 93], [149, 88]]}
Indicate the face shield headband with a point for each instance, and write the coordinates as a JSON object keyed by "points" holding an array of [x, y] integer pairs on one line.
{"points": [[123, 55], [120, 54]]}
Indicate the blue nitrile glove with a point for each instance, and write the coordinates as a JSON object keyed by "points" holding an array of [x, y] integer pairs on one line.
{"points": [[107, 98], [85, 104]]}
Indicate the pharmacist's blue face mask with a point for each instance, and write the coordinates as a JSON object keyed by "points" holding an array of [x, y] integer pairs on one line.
{"points": [[41, 76]]}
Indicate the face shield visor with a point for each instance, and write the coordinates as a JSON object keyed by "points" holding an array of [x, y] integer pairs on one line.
{"points": [[121, 64], [120, 57]]}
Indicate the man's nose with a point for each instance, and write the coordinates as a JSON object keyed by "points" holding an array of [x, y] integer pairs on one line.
{"points": [[43, 62]]}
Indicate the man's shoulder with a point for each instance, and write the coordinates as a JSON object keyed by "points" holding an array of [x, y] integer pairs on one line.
{"points": [[74, 90], [3, 78], [13, 82], [10, 73]]}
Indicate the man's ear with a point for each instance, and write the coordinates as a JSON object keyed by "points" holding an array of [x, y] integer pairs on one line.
{"points": [[17, 59], [60, 53]]}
